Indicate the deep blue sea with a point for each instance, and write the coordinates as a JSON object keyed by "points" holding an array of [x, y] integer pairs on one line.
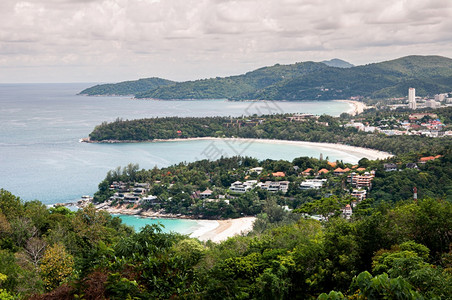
{"points": [[41, 124]]}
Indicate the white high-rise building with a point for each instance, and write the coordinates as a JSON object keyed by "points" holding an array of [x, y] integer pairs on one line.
{"points": [[412, 98]]}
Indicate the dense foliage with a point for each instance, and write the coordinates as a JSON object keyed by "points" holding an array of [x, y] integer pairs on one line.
{"points": [[264, 127], [176, 186], [388, 252], [307, 81]]}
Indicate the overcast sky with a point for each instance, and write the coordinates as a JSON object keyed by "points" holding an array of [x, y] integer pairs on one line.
{"points": [[116, 40]]}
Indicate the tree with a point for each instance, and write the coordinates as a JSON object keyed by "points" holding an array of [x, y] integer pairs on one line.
{"points": [[56, 265]]}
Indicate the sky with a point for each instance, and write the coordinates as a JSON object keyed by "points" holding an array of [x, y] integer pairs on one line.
{"points": [[117, 40]]}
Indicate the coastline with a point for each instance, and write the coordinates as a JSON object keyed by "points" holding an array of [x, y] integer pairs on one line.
{"points": [[356, 108], [214, 230], [226, 229], [368, 153]]}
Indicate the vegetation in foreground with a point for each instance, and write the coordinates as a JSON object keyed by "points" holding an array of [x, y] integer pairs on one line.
{"points": [[387, 250]]}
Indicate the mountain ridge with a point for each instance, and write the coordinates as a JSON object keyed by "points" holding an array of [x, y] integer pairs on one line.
{"points": [[309, 81]]}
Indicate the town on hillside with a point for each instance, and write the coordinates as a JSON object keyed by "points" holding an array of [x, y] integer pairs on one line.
{"points": [[236, 187]]}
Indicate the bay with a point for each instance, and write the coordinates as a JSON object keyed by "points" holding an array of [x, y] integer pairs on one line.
{"points": [[41, 124]]}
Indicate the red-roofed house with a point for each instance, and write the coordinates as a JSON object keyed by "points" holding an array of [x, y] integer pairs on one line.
{"points": [[306, 172], [279, 174], [347, 211], [339, 171], [206, 194], [332, 164], [427, 158], [323, 171]]}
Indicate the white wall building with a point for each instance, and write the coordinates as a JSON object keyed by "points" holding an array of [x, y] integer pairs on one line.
{"points": [[312, 184], [412, 98]]}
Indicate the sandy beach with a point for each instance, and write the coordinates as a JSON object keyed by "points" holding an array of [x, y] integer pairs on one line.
{"points": [[214, 230], [226, 229], [371, 154], [356, 106]]}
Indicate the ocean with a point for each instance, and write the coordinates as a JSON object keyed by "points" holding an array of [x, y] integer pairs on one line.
{"points": [[41, 124]]}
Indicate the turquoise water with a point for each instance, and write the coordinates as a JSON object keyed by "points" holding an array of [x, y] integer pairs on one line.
{"points": [[41, 124], [182, 226]]}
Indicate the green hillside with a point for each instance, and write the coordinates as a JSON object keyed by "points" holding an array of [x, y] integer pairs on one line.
{"points": [[234, 87], [303, 81], [127, 87], [338, 63]]}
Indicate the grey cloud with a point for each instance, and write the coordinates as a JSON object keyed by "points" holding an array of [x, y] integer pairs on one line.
{"points": [[146, 35]]}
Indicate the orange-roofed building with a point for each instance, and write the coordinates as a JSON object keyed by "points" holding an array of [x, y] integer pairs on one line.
{"points": [[323, 171], [427, 158], [279, 174], [347, 170], [354, 167], [332, 164], [361, 169], [307, 172], [339, 171]]}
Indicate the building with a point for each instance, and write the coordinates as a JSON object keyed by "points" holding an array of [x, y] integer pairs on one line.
{"points": [[274, 186], [432, 104], [206, 194], [323, 171], [361, 181], [412, 98], [312, 184], [279, 174], [347, 211], [307, 172], [258, 170], [440, 97], [360, 195], [242, 187], [390, 167]]}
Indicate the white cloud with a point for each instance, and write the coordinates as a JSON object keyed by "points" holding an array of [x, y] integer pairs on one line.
{"points": [[111, 40]]}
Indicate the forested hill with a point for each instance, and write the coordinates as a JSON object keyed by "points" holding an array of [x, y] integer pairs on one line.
{"points": [[309, 81], [262, 127], [126, 88]]}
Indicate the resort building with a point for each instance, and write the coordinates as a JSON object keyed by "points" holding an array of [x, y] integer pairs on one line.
{"points": [[274, 186], [361, 181], [242, 187], [312, 184], [359, 194]]}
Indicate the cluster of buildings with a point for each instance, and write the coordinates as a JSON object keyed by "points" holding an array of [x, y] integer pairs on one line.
{"points": [[426, 124], [271, 186], [131, 193], [415, 103]]}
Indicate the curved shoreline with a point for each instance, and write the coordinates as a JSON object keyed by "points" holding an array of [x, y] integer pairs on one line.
{"points": [[209, 229], [368, 153]]}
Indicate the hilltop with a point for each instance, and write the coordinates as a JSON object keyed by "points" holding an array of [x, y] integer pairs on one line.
{"points": [[126, 88], [306, 81]]}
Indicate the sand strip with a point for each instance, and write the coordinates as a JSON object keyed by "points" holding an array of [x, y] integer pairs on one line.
{"points": [[227, 228], [356, 106], [368, 153]]}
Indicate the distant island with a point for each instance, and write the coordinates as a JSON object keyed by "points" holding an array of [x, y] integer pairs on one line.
{"points": [[327, 80]]}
